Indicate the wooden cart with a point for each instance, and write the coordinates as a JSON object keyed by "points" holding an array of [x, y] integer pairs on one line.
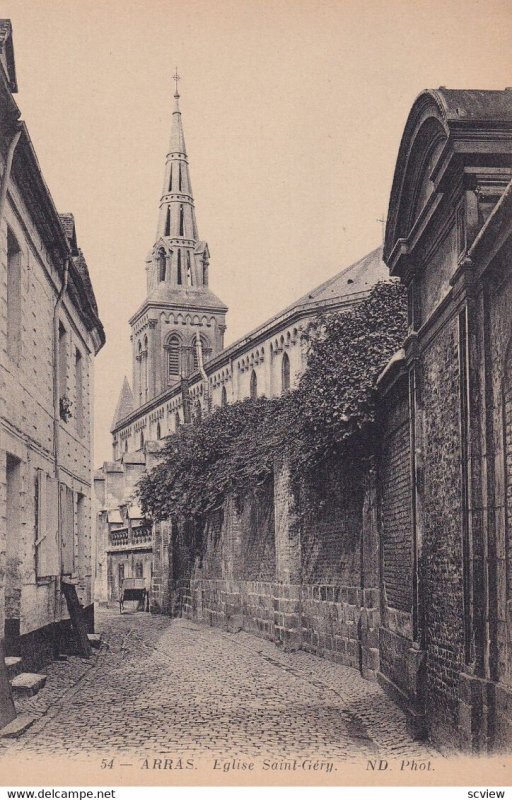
{"points": [[133, 589]]}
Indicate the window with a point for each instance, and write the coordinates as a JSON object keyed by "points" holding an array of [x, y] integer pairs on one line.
{"points": [[223, 397], [189, 270], [79, 390], [179, 176], [179, 267], [139, 569], [158, 431], [13, 298], [170, 179], [46, 525], [63, 372], [120, 574], [168, 222], [162, 265], [182, 221], [206, 350], [141, 440], [254, 386], [285, 373], [177, 421], [173, 355], [126, 445]]}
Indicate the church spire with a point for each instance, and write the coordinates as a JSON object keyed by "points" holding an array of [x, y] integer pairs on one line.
{"points": [[177, 227]]}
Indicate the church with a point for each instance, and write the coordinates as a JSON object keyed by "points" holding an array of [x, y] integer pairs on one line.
{"points": [[181, 369]]}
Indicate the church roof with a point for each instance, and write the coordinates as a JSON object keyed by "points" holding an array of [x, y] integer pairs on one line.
{"points": [[125, 404], [358, 277]]}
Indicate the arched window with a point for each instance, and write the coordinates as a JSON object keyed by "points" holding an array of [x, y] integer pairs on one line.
{"points": [[170, 179], [179, 176], [254, 386], [173, 355], [168, 222], [141, 439], [189, 270], [223, 397], [126, 445], [285, 373], [162, 264], [205, 349], [182, 221], [179, 267], [158, 431]]}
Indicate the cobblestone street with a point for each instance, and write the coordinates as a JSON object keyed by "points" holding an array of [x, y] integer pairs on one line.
{"points": [[171, 688]]}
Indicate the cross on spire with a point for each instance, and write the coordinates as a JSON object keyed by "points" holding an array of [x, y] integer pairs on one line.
{"points": [[176, 78]]}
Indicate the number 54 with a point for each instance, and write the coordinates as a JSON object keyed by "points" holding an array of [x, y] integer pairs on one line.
{"points": [[106, 764]]}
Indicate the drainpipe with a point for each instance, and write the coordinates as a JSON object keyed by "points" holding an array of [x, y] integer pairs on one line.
{"points": [[7, 171]]}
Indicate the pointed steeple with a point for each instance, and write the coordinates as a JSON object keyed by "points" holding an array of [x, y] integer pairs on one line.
{"points": [[177, 237], [179, 303], [125, 404]]}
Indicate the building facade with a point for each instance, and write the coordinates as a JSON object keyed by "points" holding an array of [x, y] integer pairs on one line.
{"points": [[50, 332], [445, 635], [181, 369]]}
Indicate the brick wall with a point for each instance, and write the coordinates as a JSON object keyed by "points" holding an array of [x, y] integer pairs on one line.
{"points": [[243, 568]]}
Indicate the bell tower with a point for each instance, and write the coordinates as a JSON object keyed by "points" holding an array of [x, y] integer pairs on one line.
{"points": [[179, 305]]}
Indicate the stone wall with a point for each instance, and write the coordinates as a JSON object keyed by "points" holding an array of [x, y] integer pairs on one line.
{"points": [[262, 566]]}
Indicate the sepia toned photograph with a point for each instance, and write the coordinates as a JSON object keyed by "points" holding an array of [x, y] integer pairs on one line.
{"points": [[256, 487]]}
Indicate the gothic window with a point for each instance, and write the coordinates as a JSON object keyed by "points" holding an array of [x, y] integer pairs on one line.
{"points": [[141, 439], [179, 176], [205, 349], [173, 355], [139, 359], [13, 297], [223, 397], [170, 179], [158, 431], [182, 221], [179, 267], [126, 445], [161, 264], [205, 272], [145, 357], [189, 270], [168, 222], [254, 386], [285, 373]]}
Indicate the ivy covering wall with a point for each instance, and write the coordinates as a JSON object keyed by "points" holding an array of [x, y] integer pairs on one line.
{"points": [[330, 417]]}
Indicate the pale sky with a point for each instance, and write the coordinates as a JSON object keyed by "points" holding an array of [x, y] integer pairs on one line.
{"points": [[293, 113]]}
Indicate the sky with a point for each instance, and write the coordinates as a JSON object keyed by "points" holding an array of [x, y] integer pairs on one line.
{"points": [[293, 111]]}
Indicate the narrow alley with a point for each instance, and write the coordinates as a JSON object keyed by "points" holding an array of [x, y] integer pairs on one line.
{"points": [[165, 688]]}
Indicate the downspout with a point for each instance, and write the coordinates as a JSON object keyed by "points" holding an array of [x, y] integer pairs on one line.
{"points": [[7, 171]]}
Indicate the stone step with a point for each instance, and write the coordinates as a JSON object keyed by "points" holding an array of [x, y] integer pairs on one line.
{"points": [[27, 683], [14, 666], [17, 727], [94, 639]]}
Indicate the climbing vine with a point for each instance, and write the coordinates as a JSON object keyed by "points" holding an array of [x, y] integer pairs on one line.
{"points": [[330, 416]]}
